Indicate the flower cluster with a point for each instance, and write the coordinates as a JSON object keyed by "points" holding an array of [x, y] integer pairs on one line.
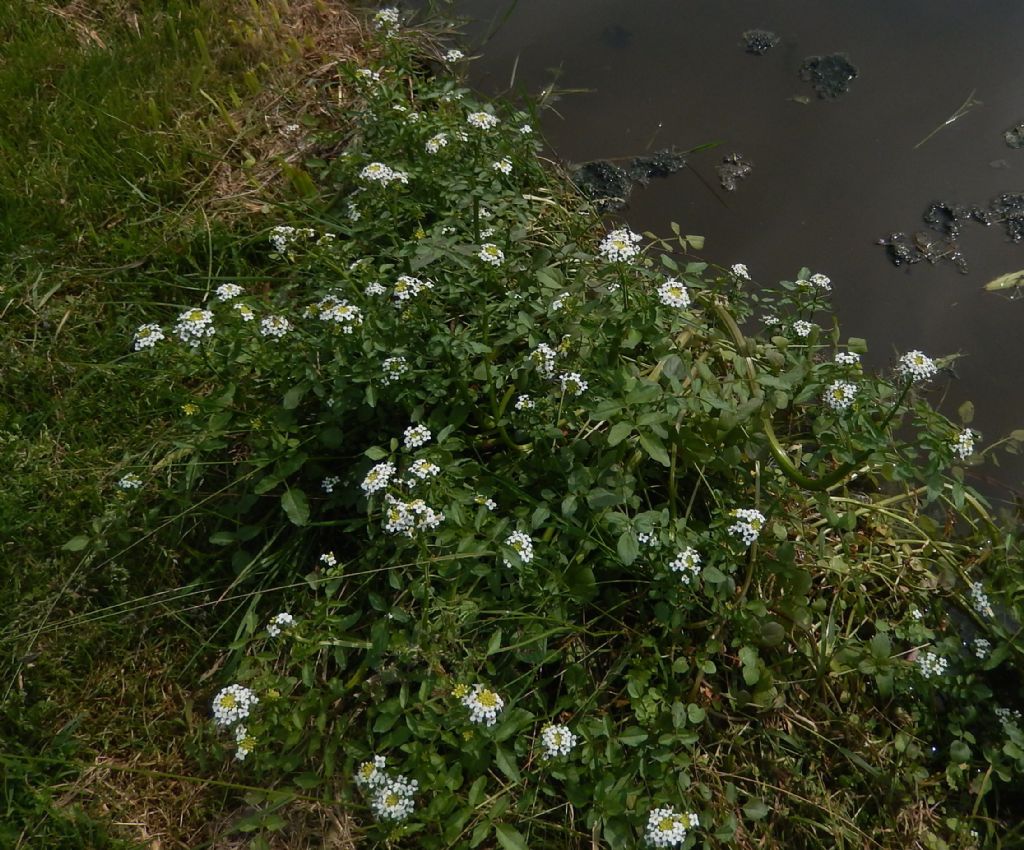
{"points": [[523, 546], [378, 478], [482, 120], [491, 253], [741, 271], [391, 798], [392, 369], [557, 740], [131, 481], [346, 316], [378, 172], [931, 664], [436, 142], [148, 336], [543, 357], [980, 601], [672, 293], [274, 326], [283, 237], [454, 55], [245, 311], [401, 517], [667, 828], [803, 329], [194, 326], [840, 395], [645, 538], [818, 281], [421, 470], [227, 291], [963, 445], [232, 704], [620, 245], [982, 648], [329, 483], [486, 501], [748, 525], [524, 402], [916, 366], [407, 287], [387, 19], [572, 383], [846, 358], [244, 742], [416, 436], [280, 622], [687, 564], [484, 705]]}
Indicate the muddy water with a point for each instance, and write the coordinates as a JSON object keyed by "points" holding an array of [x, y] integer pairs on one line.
{"points": [[831, 176]]}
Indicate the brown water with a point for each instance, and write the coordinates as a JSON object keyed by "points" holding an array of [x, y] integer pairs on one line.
{"points": [[831, 176]]}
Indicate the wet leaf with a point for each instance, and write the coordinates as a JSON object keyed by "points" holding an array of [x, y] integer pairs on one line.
{"points": [[1006, 281]]}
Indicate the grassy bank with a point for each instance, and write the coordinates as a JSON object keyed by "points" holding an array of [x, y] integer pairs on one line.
{"points": [[402, 500]]}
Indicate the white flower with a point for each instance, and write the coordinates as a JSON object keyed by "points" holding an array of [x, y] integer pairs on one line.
{"points": [[522, 545], [147, 336], [416, 436], [370, 774], [435, 143], [367, 75], [840, 395], [649, 539], [543, 357], [353, 211], [423, 469], [822, 282], [980, 601], [227, 291], [687, 564], [559, 302], [194, 326], [407, 287], [378, 172], [491, 253], [329, 558], [393, 800], [524, 402], [770, 321], [573, 383], [283, 236], [525, 129], [330, 482], [748, 525], [1008, 717], [131, 481], [409, 517], [672, 293], [387, 19], [454, 55], [482, 120], [374, 289], [931, 664], [620, 245], [916, 366], [274, 326], [668, 828], [963, 446], [486, 501], [803, 329], [504, 165], [245, 311], [557, 739], [232, 704], [378, 478], [280, 622], [333, 309], [483, 704], [982, 648], [739, 270], [846, 358], [244, 742], [393, 368]]}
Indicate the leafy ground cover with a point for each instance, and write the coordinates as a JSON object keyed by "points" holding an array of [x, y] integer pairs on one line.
{"points": [[453, 515]]}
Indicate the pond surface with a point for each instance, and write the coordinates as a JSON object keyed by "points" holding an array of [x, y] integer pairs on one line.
{"points": [[831, 176]]}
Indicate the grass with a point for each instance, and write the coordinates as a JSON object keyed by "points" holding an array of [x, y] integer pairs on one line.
{"points": [[136, 136]]}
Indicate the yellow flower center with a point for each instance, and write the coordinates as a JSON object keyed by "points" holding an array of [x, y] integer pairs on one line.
{"points": [[228, 701], [488, 699]]}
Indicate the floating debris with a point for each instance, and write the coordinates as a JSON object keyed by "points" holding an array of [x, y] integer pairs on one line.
{"points": [[999, 163], [830, 75], [759, 42], [800, 98], [610, 185], [733, 169], [947, 220], [1012, 281], [1015, 136], [961, 111]]}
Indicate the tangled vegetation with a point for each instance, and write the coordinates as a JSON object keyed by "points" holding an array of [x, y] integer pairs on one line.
{"points": [[551, 535]]}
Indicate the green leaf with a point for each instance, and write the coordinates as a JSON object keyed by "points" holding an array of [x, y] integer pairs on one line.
{"points": [[295, 505], [509, 837], [654, 447], [628, 547], [619, 432], [494, 644], [375, 453], [881, 647], [222, 538], [695, 714], [755, 809], [1006, 281], [857, 344], [713, 575], [294, 396], [966, 412], [634, 736], [76, 543], [506, 763]]}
